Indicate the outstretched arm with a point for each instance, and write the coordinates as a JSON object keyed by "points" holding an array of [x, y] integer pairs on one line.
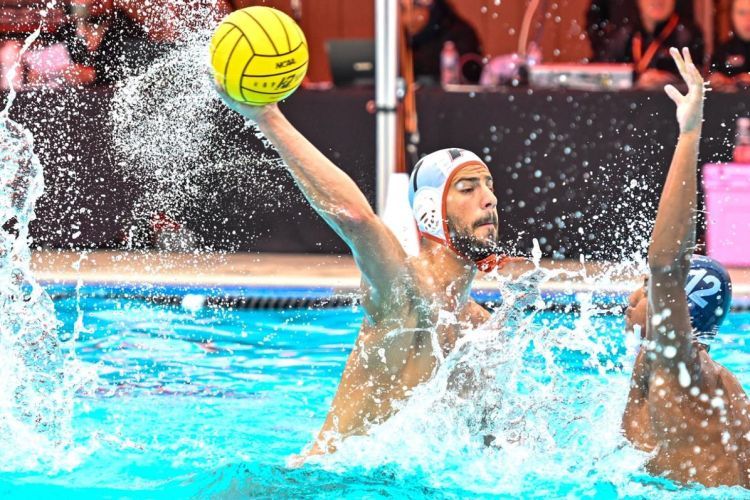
{"points": [[673, 238], [335, 196]]}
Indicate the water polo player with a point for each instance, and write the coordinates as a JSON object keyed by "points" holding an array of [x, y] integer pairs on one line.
{"points": [[690, 412], [456, 211]]}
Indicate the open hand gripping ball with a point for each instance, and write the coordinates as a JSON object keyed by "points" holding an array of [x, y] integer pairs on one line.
{"points": [[259, 55]]}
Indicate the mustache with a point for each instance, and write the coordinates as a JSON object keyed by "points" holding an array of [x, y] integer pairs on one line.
{"points": [[489, 219]]}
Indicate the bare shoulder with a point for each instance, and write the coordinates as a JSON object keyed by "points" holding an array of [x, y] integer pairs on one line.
{"points": [[727, 382], [715, 376], [716, 384], [709, 377]]}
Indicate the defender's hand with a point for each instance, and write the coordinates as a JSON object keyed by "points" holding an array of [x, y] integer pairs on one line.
{"points": [[252, 113], [690, 106]]}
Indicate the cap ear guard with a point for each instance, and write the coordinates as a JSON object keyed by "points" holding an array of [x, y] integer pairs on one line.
{"points": [[427, 211]]}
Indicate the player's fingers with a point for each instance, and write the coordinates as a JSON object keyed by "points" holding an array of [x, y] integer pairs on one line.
{"points": [[228, 101], [686, 56], [680, 62], [220, 91], [675, 53], [673, 94], [695, 76], [223, 93], [695, 83]]}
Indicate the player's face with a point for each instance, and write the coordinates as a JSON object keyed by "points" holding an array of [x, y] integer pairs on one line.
{"points": [[471, 207], [416, 14], [656, 10], [636, 312], [741, 19]]}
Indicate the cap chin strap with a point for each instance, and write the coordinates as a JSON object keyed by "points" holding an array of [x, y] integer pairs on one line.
{"points": [[495, 261]]}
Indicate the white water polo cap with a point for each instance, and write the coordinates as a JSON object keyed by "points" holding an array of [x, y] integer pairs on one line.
{"points": [[428, 190]]}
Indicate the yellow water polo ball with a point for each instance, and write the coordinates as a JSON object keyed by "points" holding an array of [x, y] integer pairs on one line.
{"points": [[259, 55]]}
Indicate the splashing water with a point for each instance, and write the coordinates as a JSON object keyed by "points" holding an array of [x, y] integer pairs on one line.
{"points": [[521, 401], [173, 135], [11, 75], [38, 378]]}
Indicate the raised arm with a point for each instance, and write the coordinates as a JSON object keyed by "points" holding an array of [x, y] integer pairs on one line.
{"points": [[335, 196], [673, 237]]}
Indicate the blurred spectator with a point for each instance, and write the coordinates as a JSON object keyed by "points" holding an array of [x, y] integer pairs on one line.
{"points": [[431, 23], [10, 51], [603, 19], [165, 21], [49, 65], [93, 41], [730, 63], [102, 42], [646, 43], [19, 18]]}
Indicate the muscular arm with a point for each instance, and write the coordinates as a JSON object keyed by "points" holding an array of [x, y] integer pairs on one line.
{"points": [[337, 199], [673, 238]]}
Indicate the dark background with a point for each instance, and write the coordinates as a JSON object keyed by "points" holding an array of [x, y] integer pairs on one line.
{"points": [[563, 162]]}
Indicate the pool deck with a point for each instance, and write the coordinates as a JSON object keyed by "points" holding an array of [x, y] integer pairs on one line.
{"points": [[288, 270]]}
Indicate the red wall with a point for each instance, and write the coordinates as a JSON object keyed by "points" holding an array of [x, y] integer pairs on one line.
{"points": [[497, 26]]}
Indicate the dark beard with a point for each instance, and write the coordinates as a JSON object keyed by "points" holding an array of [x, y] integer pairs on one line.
{"points": [[473, 248]]}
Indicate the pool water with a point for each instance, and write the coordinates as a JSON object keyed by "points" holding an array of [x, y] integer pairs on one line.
{"points": [[212, 402]]}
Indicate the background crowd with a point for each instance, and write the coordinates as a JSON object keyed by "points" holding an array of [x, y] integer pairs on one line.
{"points": [[86, 42], [642, 31]]}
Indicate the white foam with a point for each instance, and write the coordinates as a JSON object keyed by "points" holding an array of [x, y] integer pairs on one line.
{"points": [[509, 380]]}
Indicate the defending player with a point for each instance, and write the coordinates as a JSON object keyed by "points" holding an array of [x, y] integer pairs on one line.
{"points": [[685, 408]]}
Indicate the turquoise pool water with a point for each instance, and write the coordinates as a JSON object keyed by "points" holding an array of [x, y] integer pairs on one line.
{"points": [[210, 403]]}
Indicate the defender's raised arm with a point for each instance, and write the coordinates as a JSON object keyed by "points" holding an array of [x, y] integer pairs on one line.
{"points": [[684, 408], [673, 237]]}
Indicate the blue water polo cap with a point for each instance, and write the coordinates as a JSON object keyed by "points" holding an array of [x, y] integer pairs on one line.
{"points": [[709, 292]]}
